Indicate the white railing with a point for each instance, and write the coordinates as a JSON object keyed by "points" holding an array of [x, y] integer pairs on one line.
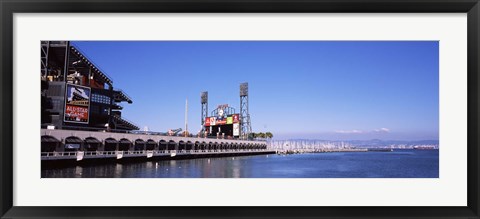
{"points": [[144, 152], [51, 154]]}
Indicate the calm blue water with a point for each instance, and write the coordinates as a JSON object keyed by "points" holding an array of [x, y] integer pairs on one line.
{"points": [[397, 164]]}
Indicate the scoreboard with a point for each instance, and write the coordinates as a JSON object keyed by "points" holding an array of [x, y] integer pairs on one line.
{"points": [[228, 125]]}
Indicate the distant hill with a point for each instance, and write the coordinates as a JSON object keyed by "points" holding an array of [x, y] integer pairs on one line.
{"points": [[378, 142], [373, 143], [369, 142]]}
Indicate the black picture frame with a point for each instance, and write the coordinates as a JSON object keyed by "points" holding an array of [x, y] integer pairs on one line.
{"points": [[9, 7]]}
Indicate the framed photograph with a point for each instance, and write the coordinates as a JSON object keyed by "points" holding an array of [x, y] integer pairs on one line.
{"points": [[200, 109]]}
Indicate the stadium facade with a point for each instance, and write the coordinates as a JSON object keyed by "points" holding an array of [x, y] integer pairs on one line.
{"points": [[76, 93]]}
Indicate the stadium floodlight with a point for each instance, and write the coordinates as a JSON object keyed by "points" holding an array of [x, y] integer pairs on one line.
{"points": [[246, 126], [204, 102], [243, 89], [204, 97]]}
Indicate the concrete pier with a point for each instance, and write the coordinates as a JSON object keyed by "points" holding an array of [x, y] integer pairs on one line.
{"points": [[73, 145]]}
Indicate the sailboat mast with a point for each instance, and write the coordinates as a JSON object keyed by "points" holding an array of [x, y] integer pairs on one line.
{"points": [[186, 117]]}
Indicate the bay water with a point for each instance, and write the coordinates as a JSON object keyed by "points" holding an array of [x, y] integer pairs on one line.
{"points": [[401, 163]]}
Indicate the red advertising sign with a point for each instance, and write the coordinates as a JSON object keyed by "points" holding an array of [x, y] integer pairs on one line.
{"points": [[76, 113], [213, 121], [222, 121], [236, 118], [207, 121]]}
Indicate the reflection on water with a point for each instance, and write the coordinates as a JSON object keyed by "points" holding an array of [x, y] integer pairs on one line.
{"points": [[78, 171], [397, 164]]}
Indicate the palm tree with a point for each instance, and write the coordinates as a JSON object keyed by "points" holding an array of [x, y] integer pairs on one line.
{"points": [[261, 135], [269, 135]]}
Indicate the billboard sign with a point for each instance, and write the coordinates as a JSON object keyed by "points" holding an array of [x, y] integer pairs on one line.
{"points": [[221, 121], [213, 121], [207, 121], [236, 118], [77, 104], [236, 129], [229, 120]]}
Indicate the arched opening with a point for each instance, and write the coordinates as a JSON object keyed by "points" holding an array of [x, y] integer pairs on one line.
{"points": [[124, 144], [151, 145], [92, 144], [140, 145], [210, 146], [214, 146], [197, 146], [189, 145], [110, 144], [181, 145], [222, 146], [172, 145], [203, 146], [226, 146], [49, 143], [163, 145], [73, 143]]}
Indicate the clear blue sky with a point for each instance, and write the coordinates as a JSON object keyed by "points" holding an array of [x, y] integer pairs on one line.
{"points": [[335, 90]]}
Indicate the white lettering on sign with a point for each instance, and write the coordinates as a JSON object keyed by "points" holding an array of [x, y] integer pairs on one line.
{"points": [[236, 129], [213, 120]]}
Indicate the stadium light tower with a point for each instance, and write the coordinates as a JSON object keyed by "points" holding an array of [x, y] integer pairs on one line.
{"points": [[204, 101], [246, 127]]}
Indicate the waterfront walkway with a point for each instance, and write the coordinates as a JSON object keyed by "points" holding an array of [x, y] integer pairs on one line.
{"points": [[85, 145], [81, 155]]}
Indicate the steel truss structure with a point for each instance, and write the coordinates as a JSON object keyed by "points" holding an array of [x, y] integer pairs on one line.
{"points": [[204, 102], [245, 124]]}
